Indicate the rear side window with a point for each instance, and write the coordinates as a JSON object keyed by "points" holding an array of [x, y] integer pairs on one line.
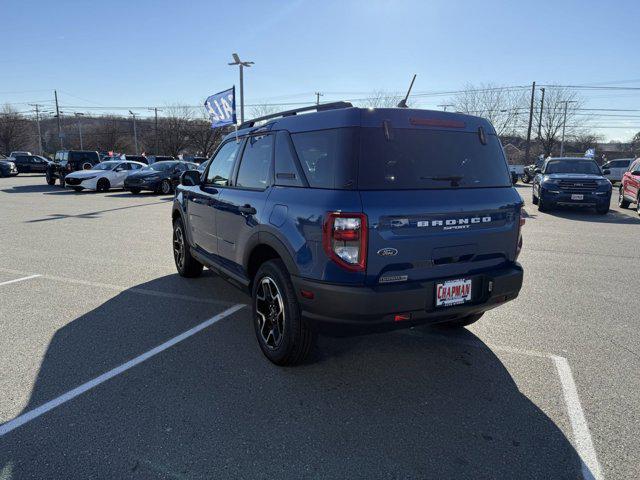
{"points": [[430, 159], [328, 157], [221, 165], [256, 162], [286, 171]]}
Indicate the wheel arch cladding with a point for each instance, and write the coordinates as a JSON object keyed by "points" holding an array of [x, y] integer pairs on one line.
{"points": [[264, 246]]}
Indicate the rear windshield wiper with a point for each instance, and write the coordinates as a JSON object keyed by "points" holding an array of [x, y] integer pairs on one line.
{"points": [[455, 180]]}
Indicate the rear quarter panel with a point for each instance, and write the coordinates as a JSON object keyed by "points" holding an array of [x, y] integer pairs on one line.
{"points": [[296, 215]]}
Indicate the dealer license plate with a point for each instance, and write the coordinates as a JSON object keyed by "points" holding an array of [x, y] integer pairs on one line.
{"points": [[577, 196], [453, 292]]}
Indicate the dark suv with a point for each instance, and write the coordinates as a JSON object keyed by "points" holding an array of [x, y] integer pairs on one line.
{"points": [[67, 161], [373, 218], [571, 181]]}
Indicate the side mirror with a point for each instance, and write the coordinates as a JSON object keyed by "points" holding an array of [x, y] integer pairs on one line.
{"points": [[606, 171], [537, 170], [190, 178]]}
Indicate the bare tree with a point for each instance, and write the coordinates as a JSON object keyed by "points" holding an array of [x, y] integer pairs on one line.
{"points": [[582, 141], [381, 99], [173, 130], [15, 130], [634, 145], [504, 107], [263, 110], [203, 139], [553, 117], [110, 133]]}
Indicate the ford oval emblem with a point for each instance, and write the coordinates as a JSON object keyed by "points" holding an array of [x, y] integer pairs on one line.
{"points": [[387, 252]]}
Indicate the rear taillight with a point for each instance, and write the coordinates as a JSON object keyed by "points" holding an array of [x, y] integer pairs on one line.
{"points": [[520, 225], [344, 238]]}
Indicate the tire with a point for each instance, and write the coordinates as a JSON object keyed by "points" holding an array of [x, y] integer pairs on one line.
{"points": [[461, 322], [541, 205], [50, 179], [186, 265], [135, 191], [87, 166], [103, 185], [284, 336], [165, 187], [622, 203], [534, 199], [62, 182], [638, 204], [602, 211]]}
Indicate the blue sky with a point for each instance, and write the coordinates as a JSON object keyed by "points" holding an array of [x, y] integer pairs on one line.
{"points": [[138, 53]]}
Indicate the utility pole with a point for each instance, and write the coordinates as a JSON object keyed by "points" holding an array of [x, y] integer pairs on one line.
{"points": [[38, 124], [445, 105], [55, 93], [241, 64], [135, 133], [79, 117], [526, 150], [540, 118], [318, 95], [564, 124], [155, 111]]}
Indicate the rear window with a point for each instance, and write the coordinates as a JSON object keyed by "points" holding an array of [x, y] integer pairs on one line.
{"points": [[82, 156], [401, 159]]}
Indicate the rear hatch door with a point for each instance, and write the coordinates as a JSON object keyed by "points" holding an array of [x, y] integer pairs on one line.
{"points": [[438, 196]]}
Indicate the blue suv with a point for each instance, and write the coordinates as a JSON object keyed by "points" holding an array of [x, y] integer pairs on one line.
{"points": [[571, 181], [354, 217]]}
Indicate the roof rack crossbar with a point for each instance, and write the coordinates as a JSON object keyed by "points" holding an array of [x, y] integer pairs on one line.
{"points": [[318, 108]]}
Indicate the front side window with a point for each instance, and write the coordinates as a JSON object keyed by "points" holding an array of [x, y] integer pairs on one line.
{"points": [[221, 165], [256, 161]]}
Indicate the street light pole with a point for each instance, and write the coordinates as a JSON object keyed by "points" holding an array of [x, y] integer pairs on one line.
{"points": [[78, 116], [135, 133], [445, 105], [564, 125], [38, 123], [155, 111], [241, 64], [540, 117], [318, 95]]}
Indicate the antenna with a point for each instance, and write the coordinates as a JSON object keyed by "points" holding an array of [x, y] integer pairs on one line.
{"points": [[403, 103]]}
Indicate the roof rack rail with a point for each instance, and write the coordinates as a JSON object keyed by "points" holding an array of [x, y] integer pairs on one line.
{"points": [[318, 108]]}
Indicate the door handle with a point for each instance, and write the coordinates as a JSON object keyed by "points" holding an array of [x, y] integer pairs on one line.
{"points": [[247, 209]]}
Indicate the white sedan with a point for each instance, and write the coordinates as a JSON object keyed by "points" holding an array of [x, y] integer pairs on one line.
{"points": [[103, 176]]}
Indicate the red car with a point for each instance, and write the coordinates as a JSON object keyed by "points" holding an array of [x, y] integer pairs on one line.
{"points": [[630, 186]]}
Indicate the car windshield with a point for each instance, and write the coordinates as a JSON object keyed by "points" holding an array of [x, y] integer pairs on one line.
{"points": [[160, 166], [572, 166], [105, 166]]}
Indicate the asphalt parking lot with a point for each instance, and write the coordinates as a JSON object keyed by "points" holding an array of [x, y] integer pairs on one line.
{"points": [[546, 386]]}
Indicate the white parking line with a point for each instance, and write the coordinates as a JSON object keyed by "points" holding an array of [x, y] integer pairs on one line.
{"points": [[20, 279], [581, 435], [119, 288], [71, 394], [582, 440]]}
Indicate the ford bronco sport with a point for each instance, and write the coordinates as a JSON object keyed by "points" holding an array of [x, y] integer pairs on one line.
{"points": [[352, 216]]}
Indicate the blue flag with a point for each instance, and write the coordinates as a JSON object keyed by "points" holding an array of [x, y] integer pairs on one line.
{"points": [[221, 108]]}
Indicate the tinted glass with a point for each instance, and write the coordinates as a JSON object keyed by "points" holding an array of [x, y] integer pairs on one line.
{"points": [[135, 166], [286, 171], [572, 166], [161, 166], [430, 159], [256, 161], [328, 157], [21, 159], [83, 156], [105, 166], [221, 166]]}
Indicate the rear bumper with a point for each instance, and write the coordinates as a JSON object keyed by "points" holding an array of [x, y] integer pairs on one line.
{"points": [[378, 305]]}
